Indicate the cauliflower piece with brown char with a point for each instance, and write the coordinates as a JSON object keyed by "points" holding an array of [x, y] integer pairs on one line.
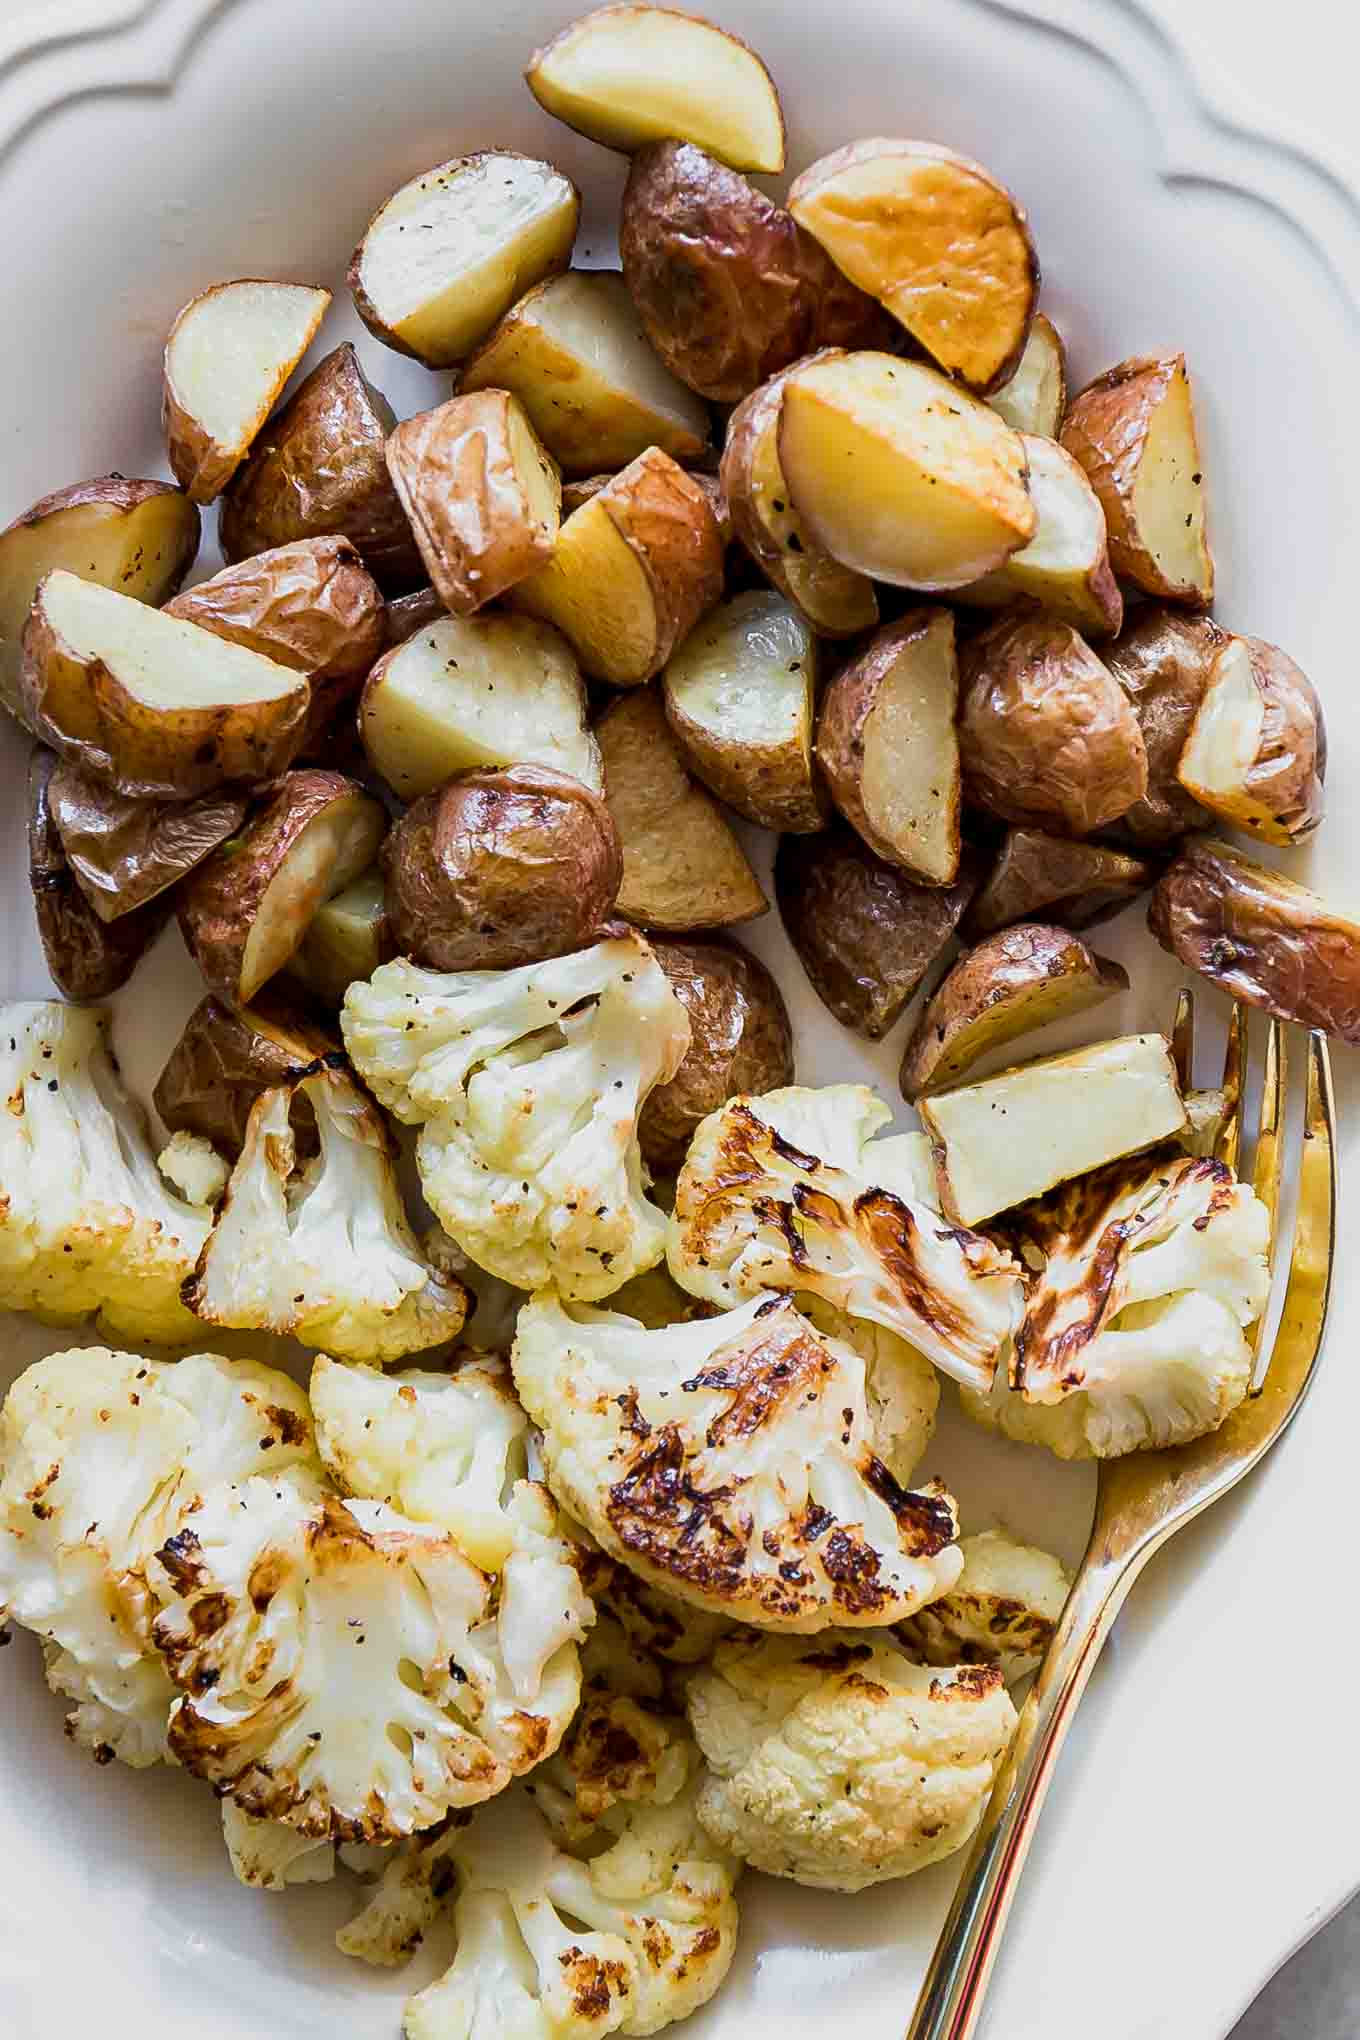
{"points": [[1001, 1610]]}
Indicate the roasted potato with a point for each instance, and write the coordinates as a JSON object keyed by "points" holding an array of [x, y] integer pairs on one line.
{"points": [[899, 473], [225, 1058], [1047, 736], [1038, 876], [229, 353], [1035, 397], [574, 494], [887, 743], [476, 690], [1133, 430], [627, 75], [1065, 568], [245, 911], [740, 1042], [87, 958], [1010, 984], [1257, 752], [728, 286], [319, 470], [1162, 660], [937, 240], [407, 614], [124, 852], [347, 938], [499, 869], [865, 933], [683, 868], [739, 696], [452, 249]]}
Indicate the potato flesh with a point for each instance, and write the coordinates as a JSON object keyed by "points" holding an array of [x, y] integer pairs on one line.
{"points": [[344, 939], [1226, 734], [745, 675], [597, 592], [325, 857], [1168, 496], [1065, 567], [234, 348], [164, 662], [909, 780], [1033, 399], [834, 598]]}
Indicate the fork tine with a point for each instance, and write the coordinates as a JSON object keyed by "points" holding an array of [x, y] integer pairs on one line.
{"points": [[1266, 1168], [1228, 1146], [1304, 1316], [1183, 1037]]}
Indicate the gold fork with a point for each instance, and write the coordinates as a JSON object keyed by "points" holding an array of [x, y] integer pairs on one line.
{"points": [[1141, 1501]]}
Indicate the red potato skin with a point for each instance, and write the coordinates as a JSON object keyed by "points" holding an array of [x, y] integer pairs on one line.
{"points": [[1289, 771], [124, 852], [741, 1042], [1073, 885], [224, 1060], [88, 959], [1162, 660]]}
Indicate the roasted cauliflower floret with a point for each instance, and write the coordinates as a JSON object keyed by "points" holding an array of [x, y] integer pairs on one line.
{"points": [[271, 1855], [1002, 1609], [193, 1167], [656, 1624], [790, 1191], [527, 1085], [625, 1745], [902, 1386], [838, 1762], [731, 1461]]}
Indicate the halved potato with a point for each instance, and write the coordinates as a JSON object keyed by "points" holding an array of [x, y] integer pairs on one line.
{"points": [[1133, 430], [224, 1059], [936, 239], [900, 474], [1035, 397], [123, 852], [452, 249], [1065, 568], [228, 354], [1037, 876], [739, 696], [466, 691], [347, 938], [137, 537], [148, 703], [887, 742], [1162, 659], [1257, 752], [682, 866], [634, 570], [625, 75], [87, 958], [246, 910], [1021, 979], [574, 353]]}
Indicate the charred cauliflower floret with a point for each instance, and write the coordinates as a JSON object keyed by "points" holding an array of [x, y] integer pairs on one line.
{"points": [[838, 1762], [902, 1386], [1002, 1609], [527, 1085], [656, 1624], [270, 1855], [625, 1745], [790, 1191], [732, 1462]]}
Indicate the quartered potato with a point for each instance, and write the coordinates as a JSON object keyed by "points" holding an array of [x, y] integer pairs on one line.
{"points": [[1065, 568], [1257, 752], [1050, 878], [1133, 430], [1162, 659], [626, 75], [937, 240], [229, 353], [123, 852], [86, 956], [454, 248], [347, 938], [1035, 397], [226, 1057], [740, 1044]]}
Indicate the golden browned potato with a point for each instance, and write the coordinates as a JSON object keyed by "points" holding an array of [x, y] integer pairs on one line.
{"points": [[627, 75], [226, 1057], [87, 958], [1035, 397], [635, 568], [740, 1043], [887, 742], [899, 473], [319, 470], [729, 287], [229, 353], [148, 703], [1037, 876], [1257, 752], [683, 868], [452, 249], [123, 852], [937, 240], [865, 933], [1162, 660], [1047, 736], [407, 614], [739, 695], [1065, 568], [1010, 984], [245, 911], [499, 869], [347, 938], [1133, 430]]}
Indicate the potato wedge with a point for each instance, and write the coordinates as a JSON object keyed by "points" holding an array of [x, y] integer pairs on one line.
{"points": [[124, 852], [1257, 752], [887, 742], [1010, 984], [865, 933], [224, 1059], [1047, 736], [1013, 1136], [572, 350], [1065, 568], [347, 938], [1035, 396], [87, 958], [936, 239], [450, 251], [683, 868], [740, 1043], [739, 696], [1133, 430], [471, 691], [1037, 876], [319, 470], [138, 537], [900, 474], [229, 353], [1162, 659], [245, 911], [626, 75], [634, 570], [148, 703]]}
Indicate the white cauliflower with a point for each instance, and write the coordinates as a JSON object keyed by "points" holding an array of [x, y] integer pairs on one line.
{"points": [[271, 1855], [902, 1386], [732, 1461], [790, 1191], [838, 1762], [527, 1085], [624, 1745], [192, 1165], [1002, 1609], [87, 1223], [323, 1250]]}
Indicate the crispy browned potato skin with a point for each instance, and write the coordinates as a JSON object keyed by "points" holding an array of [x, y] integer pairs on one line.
{"points": [[1104, 428], [88, 958], [1288, 773], [740, 1042], [124, 852], [1073, 885], [1161, 659], [406, 615], [574, 494], [225, 1058], [498, 869], [1264, 939]]}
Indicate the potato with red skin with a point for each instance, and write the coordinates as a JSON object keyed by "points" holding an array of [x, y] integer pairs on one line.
{"points": [[740, 1042], [1257, 753], [124, 852], [226, 1058], [1162, 660], [228, 354], [1052, 878], [88, 958]]}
